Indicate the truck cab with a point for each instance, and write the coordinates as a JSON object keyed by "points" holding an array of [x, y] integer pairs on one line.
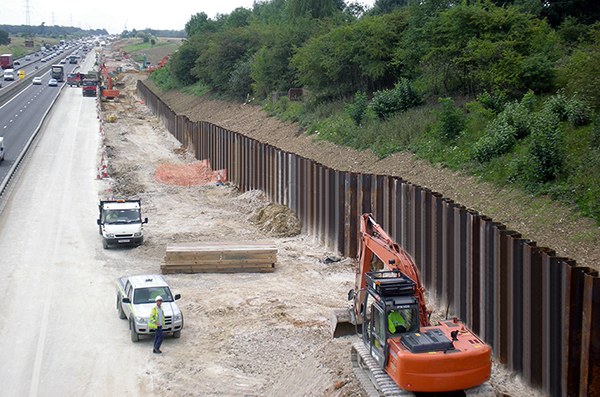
{"points": [[9, 74], [120, 222]]}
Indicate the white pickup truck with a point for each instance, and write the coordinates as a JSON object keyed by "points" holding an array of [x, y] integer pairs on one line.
{"points": [[135, 300], [120, 222]]}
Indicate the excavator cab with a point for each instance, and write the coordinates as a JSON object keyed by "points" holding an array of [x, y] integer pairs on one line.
{"points": [[390, 310]]}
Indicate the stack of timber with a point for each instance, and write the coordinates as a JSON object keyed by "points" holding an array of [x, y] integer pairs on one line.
{"points": [[203, 257]]}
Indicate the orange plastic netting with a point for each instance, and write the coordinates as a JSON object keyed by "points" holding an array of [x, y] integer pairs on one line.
{"points": [[198, 173]]}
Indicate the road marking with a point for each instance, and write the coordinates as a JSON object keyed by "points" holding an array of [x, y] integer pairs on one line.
{"points": [[37, 366]]}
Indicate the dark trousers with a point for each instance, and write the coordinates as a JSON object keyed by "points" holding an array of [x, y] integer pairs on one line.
{"points": [[158, 338]]}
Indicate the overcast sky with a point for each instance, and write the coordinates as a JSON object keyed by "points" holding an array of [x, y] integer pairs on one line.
{"points": [[113, 15]]}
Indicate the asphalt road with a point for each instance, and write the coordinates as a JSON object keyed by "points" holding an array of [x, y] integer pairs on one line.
{"points": [[20, 117], [59, 329]]}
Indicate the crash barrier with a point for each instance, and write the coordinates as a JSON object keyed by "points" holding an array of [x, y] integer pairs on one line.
{"points": [[539, 312]]}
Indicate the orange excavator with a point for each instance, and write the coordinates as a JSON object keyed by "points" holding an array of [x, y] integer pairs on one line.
{"points": [[400, 352], [109, 92], [160, 64]]}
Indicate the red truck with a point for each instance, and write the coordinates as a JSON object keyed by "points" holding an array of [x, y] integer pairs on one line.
{"points": [[74, 79], [6, 61], [89, 86]]}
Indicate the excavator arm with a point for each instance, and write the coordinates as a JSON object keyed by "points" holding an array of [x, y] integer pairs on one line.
{"points": [[375, 241]]}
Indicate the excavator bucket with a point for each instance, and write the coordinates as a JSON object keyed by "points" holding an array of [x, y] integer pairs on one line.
{"points": [[341, 323]]}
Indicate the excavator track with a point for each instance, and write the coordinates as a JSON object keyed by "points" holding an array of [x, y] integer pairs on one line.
{"points": [[377, 383]]}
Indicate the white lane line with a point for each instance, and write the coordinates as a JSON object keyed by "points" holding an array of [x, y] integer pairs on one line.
{"points": [[37, 366]]}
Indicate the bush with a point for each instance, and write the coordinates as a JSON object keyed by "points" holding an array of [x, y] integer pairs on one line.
{"points": [[240, 82], [557, 105], [358, 109], [402, 97], [450, 122], [578, 113], [517, 116], [546, 157], [500, 139], [494, 102]]}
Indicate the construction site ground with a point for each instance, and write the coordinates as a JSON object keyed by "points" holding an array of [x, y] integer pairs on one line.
{"points": [[267, 334]]}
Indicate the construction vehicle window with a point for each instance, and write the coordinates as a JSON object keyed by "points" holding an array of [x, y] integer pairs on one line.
{"points": [[402, 320], [378, 327]]}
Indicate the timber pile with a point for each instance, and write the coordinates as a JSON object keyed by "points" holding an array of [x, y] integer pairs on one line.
{"points": [[203, 257]]}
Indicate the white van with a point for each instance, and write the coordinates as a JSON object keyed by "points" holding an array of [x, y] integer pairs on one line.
{"points": [[9, 74], [1, 149]]}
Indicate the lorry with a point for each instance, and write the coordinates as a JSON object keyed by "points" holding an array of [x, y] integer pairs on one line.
{"points": [[89, 85], [74, 79], [135, 299], [120, 222], [400, 351], [58, 73], [6, 61]]}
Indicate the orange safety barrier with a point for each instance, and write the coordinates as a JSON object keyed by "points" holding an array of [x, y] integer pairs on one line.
{"points": [[198, 173]]}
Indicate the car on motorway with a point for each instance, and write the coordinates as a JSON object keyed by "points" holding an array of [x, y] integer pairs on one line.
{"points": [[28, 58], [1, 149], [53, 83], [16, 63], [43, 60], [63, 61], [37, 81]]}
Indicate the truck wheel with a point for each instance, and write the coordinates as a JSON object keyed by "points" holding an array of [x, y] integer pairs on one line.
{"points": [[134, 335], [177, 334], [120, 308]]}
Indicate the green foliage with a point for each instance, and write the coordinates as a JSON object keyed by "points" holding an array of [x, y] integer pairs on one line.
{"points": [[500, 138], [578, 113], [240, 82], [164, 79], [450, 121], [350, 58], [357, 110], [316, 9], [4, 39], [494, 102], [199, 24], [198, 89], [183, 63], [402, 97], [544, 157]]}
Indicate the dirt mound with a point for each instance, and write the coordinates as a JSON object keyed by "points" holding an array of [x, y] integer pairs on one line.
{"points": [[277, 220]]}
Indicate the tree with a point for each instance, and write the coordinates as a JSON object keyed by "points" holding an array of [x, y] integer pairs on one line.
{"points": [[4, 39], [199, 24], [239, 17]]}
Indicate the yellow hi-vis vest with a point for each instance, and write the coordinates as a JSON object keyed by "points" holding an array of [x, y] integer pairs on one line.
{"points": [[153, 320], [395, 320]]}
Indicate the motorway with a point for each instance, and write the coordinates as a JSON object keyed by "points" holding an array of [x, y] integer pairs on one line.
{"points": [[60, 333], [21, 115]]}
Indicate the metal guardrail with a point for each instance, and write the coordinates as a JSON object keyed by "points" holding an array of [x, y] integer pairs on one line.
{"points": [[539, 312]]}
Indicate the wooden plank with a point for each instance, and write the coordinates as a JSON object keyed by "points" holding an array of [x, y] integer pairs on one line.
{"points": [[225, 269], [213, 256], [220, 257]]}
